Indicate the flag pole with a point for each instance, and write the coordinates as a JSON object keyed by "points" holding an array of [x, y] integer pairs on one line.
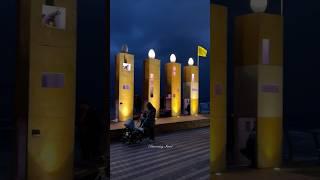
{"points": [[198, 72], [198, 56], [198, 60]]}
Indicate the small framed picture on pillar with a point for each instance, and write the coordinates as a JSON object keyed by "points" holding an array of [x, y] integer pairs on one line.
{"points": [[126, 66], [54, 17]]}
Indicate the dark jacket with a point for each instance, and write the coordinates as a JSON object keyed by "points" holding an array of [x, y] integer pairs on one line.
{"points": [[149, 121]]}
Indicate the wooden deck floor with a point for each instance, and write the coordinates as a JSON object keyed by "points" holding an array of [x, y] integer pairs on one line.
{"points": [[175, 156], [184, 155]]}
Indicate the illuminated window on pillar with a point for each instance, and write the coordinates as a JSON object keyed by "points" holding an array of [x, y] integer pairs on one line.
{"points": [[151, 81], [151, 75], [265, 51]]}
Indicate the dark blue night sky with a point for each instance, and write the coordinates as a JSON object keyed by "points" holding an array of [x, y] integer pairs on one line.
{"points": [[166, 26]]}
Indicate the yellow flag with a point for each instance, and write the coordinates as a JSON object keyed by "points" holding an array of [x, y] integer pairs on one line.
{"points": [[202, 51]]}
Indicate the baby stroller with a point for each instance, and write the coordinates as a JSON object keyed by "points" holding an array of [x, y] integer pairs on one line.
{"points": [[131, 133]]}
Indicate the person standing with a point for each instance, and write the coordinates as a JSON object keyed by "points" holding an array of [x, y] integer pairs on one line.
{"points": [[148, 123]]}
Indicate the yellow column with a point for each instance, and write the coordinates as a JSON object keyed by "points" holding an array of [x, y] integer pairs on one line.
{"points": [[191, 87], [124, 86], [218, 88], [47, 56], [173, 86], [258, 82], [152, 83]]}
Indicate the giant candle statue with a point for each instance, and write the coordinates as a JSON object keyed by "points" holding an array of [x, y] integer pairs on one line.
{"points": [[218, 86], [173, 86], [152, 81], [259, 82], [46, 91], [124, 85], [191, 88]]}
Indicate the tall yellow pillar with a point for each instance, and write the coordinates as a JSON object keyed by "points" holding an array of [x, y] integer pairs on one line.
{"points": [[124, 86], [218, 88], [191, 88], [152, 83], [258, 81], [173, 87], [47, 66]]}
